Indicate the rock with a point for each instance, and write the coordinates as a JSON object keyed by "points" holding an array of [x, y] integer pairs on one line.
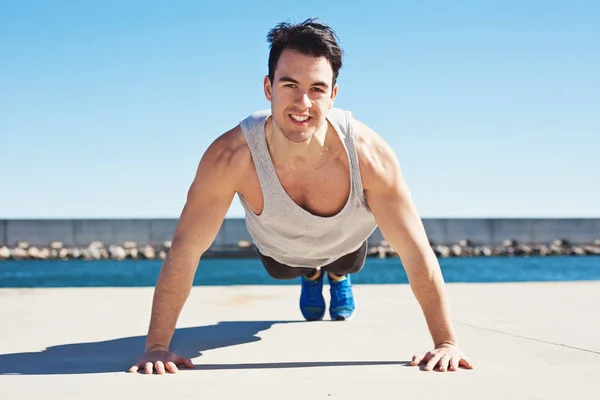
{"points": [[443, 251], [4, 253], [578, 251], [544, 251], [132, 253], [63, 254], [148, 252], [391, 252], [499, 251], [469, 251], [18, 253], [597, 242], [560, 243], [244, 244], [162, 255], [592, 249], [167, 244], [372, 251], [464, 243], [22, 245], [457, 251], [117, 252], [45, 254], [33, 252], [76, 253], [509, 243], [558, 247], [128, 245], [96, 244], [92, 253], [525, 250], [486, 251], [55, 245]]}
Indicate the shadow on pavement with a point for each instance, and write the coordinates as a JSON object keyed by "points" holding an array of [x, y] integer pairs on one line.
{"points": [[303, 364], [118, 355]]}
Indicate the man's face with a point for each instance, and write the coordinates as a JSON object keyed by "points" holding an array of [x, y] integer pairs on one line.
{"points": [[301, 94]]}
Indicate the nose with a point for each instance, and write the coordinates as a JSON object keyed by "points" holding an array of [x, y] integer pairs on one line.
{"points": [[302, 99]]}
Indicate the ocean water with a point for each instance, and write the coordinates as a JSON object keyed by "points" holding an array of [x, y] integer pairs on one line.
{"points": [[129, 273]]}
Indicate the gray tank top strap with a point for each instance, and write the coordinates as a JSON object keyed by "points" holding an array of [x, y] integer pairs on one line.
{"points": [[342, 122], [254, 132]]}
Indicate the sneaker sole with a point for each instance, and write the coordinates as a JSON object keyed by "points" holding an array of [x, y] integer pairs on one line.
{"points": [[342, 318]]}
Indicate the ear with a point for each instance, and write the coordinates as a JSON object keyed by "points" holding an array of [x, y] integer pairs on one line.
{"points": [[268, 88], [333, 95]]}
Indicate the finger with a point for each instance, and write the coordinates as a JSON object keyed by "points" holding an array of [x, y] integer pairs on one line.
{"points": [[466, 363], [171, 367], [416, 360], [454, 363], [160, 367], [134, 369], [149, 367], [444, 362], [433, 362], [187, 362]]}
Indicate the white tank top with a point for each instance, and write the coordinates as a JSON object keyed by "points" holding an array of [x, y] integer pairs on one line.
{"points": [[288, 233]]}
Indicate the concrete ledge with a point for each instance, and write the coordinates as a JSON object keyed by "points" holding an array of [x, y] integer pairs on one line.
{"points": [[444, 231], [530, 340]]}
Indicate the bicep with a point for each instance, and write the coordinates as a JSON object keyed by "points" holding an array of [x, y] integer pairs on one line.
{"points": [[399, 222], [208, 200], [391, 202]]}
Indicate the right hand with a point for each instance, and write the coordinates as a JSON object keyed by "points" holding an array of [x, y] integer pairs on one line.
{"points": [[161, 361]]}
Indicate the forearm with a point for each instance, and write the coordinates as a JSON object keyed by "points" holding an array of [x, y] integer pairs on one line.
{"points": [[172, 290], [427, 284]]}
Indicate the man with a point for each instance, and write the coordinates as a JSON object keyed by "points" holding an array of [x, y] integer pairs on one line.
{"points": [[314, 182]]}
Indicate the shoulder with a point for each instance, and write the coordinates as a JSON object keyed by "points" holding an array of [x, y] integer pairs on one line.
{"points": [[227, 156], [379, 165]]}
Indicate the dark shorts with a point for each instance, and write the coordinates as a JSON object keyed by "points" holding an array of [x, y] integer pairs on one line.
{"points": [[348, 264]]}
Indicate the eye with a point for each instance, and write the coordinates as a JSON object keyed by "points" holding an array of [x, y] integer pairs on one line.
{"points": [[318, 90], [290, 85]]}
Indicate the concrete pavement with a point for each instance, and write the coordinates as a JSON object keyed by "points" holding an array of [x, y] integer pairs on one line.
{"points": [[527, 341]]}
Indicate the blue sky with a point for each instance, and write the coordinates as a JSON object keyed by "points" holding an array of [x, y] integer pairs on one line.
{"points": [[493, 108]]}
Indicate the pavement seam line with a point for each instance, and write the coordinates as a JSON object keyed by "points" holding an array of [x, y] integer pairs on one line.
{"points": [[501, 332], [529, 338]]}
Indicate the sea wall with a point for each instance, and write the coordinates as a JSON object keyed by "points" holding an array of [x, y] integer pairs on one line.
{"points": [[443, 231], [80, 232]]}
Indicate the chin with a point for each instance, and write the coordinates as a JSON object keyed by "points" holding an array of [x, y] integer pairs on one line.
{"points": [[297, 137], [293, 133]]}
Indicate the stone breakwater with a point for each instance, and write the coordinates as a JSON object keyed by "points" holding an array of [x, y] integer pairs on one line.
{"points": [[131, 250], [465, 248]]}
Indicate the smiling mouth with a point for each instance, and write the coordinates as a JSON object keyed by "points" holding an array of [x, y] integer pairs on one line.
{"points": [[299, 118]]}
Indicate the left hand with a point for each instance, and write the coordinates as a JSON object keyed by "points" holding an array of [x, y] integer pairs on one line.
{"points": [[446, 356]]}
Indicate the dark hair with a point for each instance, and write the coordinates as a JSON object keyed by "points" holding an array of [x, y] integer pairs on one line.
{"points": [[309, 37]]}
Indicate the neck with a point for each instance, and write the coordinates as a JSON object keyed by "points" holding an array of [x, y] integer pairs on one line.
{"points": [[284, 151]]}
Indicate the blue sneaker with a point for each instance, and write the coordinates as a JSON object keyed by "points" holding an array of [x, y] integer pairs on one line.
{"points": [[312, 302], [342, 300]]}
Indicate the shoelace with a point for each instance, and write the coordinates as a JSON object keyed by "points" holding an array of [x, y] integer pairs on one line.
{"points": [[313, 293], [342, 294]]}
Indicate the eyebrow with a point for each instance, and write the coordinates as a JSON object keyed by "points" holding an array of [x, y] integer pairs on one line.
{"points": [[291, 80]]}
